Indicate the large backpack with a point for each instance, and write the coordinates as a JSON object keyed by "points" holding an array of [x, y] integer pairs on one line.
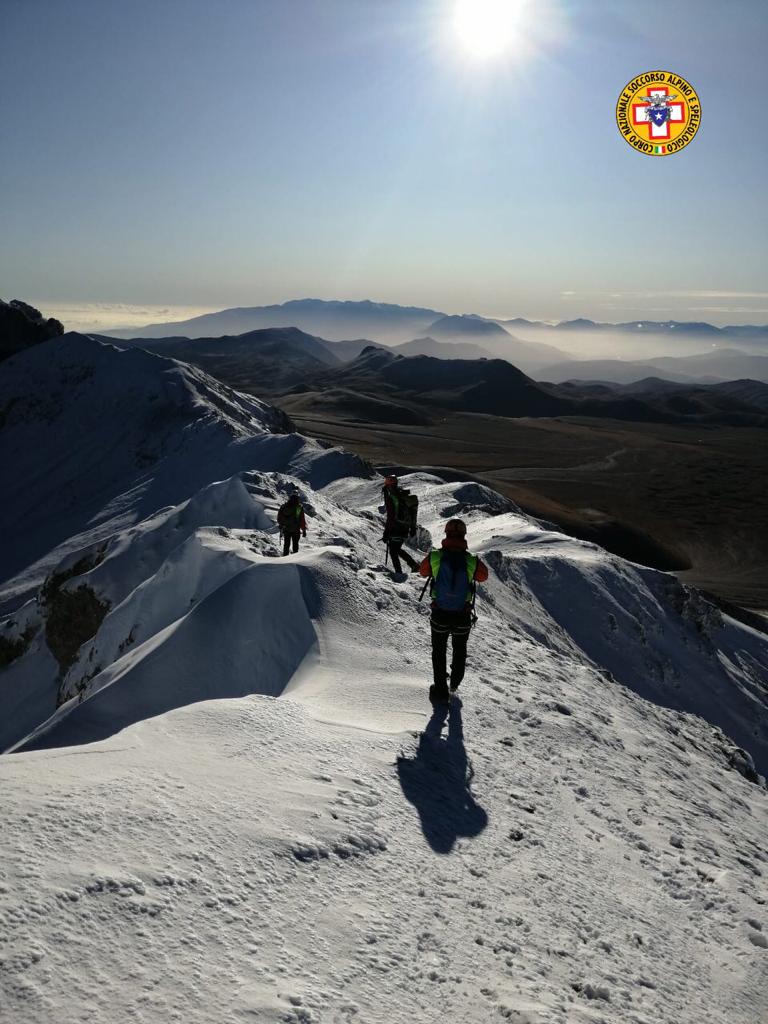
{"points": [[408, 510], [288, 517], [453, 575]]}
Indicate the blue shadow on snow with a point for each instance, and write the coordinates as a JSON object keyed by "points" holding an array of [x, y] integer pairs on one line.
{"points": [[437, 781]]}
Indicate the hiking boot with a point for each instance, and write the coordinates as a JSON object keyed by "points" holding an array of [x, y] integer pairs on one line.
{"points": [[438, 694]]}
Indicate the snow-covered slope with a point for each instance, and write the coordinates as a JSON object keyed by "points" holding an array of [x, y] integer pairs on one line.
{"points": [[96, 437], [243, 808]]}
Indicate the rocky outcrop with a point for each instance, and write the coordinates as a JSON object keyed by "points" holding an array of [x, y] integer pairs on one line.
{"points": [[73, 615], [22, 326]]}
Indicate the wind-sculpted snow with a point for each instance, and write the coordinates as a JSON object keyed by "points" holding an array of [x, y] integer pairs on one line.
{"points": [[129, 558], [149, 577], [210, 652], [644, 629], [639, 627], [583, 839]]}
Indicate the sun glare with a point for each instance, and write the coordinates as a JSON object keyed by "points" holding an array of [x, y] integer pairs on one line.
{"points": [[486, 28]]}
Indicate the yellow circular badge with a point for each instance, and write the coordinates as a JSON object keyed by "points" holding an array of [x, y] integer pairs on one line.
{"points": [[658, 113]]}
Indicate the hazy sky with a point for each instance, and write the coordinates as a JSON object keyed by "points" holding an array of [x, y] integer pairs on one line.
{"points": [[212, 153]]}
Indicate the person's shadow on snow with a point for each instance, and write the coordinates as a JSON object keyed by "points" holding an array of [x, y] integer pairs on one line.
{"points": [[437, 782]]}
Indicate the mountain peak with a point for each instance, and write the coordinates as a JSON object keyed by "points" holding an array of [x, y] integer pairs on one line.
{"points": [[375, 356], [466, 326], [579, 324]]}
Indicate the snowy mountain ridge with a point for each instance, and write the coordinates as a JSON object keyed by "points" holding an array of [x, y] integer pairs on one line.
{"points": [[231, 798], [107, 436], [153, 575]]}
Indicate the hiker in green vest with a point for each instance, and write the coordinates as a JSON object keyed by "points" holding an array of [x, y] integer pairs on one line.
{"points": [[290, 519], [453, 573], [402, 512]]}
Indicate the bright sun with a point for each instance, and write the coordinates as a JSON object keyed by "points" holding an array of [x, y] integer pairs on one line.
{"points": [[486, 28]]}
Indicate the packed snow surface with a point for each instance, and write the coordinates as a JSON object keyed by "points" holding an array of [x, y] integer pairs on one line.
{"points": [[232, 802]]}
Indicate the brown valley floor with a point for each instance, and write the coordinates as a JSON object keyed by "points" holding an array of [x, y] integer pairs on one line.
{"points": [[666, 495]]}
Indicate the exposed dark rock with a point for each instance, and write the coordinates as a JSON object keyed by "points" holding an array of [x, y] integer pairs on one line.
{"points": [[72, 616], [21, 326]]}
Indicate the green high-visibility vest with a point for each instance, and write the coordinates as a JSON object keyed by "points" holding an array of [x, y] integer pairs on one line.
{"points": [[436, 557]]}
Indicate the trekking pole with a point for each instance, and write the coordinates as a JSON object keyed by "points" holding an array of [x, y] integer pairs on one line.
{"points": [[472, 605], [386, 552], [424, 588]]}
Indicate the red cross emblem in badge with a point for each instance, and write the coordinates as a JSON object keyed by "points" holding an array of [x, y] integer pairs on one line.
{"points": [[657, 111]]}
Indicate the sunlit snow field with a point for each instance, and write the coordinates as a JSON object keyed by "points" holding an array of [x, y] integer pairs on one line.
{"points": [[243, 807]]}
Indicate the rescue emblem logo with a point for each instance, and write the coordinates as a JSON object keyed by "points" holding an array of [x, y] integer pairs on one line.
{"points": [[658, 113]]}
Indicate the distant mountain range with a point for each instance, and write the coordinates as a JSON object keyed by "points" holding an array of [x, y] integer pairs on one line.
{"points": [[441, 349], [485, 385], [335, 321], [461, 326], [529, 356], [269, 360], [618, 371], [410, 330], [726, 363], [325, 332], [276, 356], [494, 387], [391, 324], [732, 402], [748, 392], [709, 368], [746, 333]]}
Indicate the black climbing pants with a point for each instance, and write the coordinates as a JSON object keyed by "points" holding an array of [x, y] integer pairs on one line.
{"points": [[396, 553], [290, 539], [457, 626]]}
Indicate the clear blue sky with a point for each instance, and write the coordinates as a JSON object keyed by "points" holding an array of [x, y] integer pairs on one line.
{"points": [[239, 152]]}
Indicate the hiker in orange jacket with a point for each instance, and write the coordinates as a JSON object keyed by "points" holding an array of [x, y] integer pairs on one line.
{"points": [[454, 571]]}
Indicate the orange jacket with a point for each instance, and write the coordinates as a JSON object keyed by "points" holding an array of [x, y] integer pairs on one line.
{"points": [[456, 544]]}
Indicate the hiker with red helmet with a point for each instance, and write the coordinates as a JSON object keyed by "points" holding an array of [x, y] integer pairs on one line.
{"points": [[402, 512], [453, 572]]}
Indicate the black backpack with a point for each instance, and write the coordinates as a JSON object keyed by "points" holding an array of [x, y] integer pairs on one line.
{"points": [[407, 509], [288, 517]]}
